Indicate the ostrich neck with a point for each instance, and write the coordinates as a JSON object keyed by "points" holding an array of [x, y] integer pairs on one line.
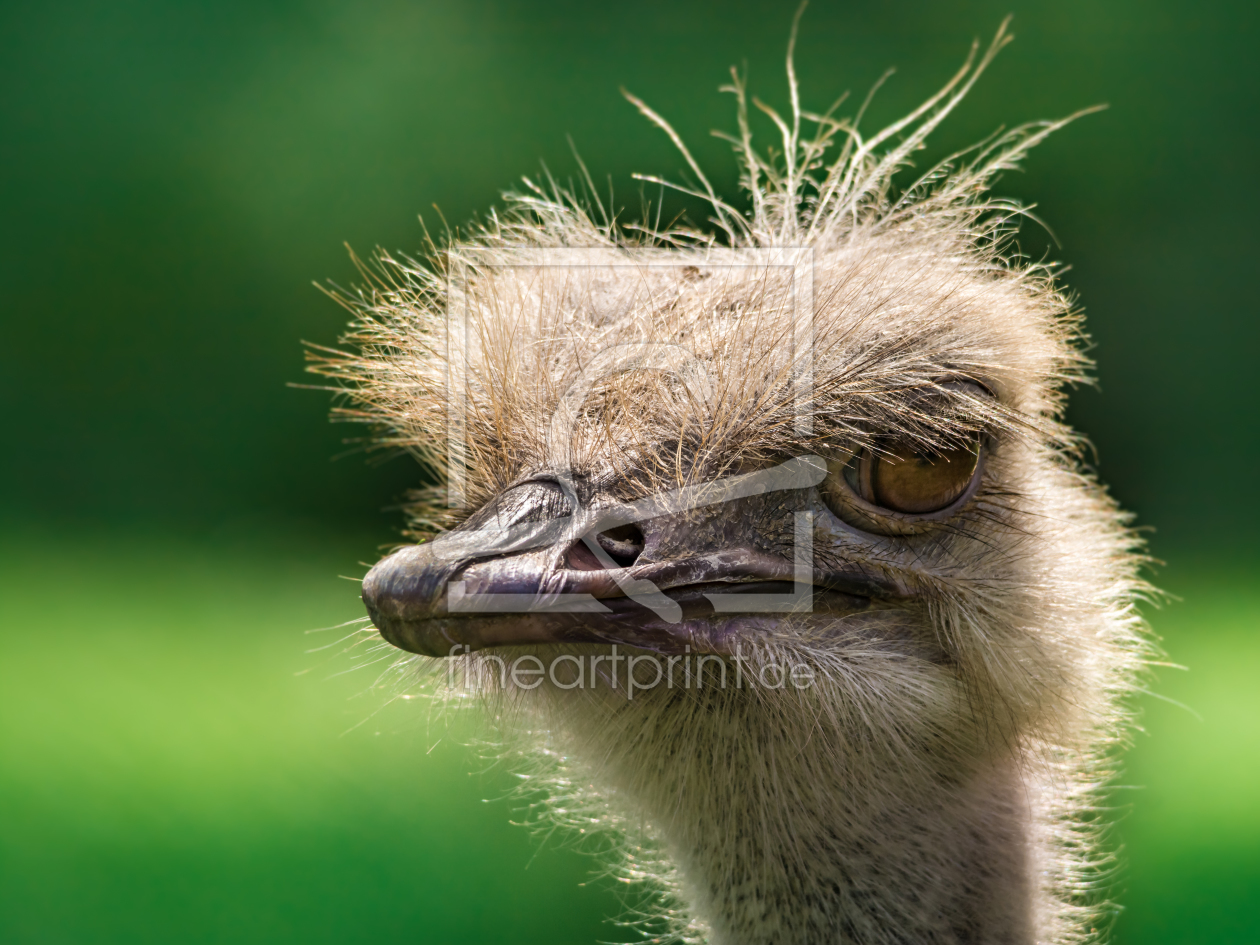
{"points": [[775, 856]]}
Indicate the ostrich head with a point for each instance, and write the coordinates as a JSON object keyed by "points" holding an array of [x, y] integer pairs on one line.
{"points": [[788, 518]]}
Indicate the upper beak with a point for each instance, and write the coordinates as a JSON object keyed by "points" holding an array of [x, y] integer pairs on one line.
{"points": [[682, 577]]}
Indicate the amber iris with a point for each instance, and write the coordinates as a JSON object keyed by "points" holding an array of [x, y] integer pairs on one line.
{"points": [[913, 483]]}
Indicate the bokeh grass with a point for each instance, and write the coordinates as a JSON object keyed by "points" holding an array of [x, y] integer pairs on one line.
{"points": [[1190, 824], [168, 776], [175, 767]]}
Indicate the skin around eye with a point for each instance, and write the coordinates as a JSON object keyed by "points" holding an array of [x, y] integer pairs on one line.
{"points": [[914, 484]]}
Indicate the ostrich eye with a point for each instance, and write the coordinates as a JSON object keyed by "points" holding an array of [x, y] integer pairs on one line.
{"points": [[915, 484], [907, 481]]}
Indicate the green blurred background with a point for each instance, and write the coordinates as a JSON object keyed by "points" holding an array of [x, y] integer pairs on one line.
{"points": [[174, 766]]}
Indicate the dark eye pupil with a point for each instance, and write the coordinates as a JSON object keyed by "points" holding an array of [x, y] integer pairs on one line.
{"points": [[912, 483]]}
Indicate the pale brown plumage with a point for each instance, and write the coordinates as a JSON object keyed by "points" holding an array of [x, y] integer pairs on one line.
{"points": [[937, 783]]}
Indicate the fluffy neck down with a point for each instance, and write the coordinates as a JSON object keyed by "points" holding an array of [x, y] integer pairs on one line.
{"points": [[779, 826]]}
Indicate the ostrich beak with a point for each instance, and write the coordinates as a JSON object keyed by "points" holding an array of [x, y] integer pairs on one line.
{"points": [[672, 572]]}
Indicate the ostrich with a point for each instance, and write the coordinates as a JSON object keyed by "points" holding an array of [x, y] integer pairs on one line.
{"points": [[781, 518]]}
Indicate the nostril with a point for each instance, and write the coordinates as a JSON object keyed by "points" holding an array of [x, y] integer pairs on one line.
{"points": [[624, 544]]}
